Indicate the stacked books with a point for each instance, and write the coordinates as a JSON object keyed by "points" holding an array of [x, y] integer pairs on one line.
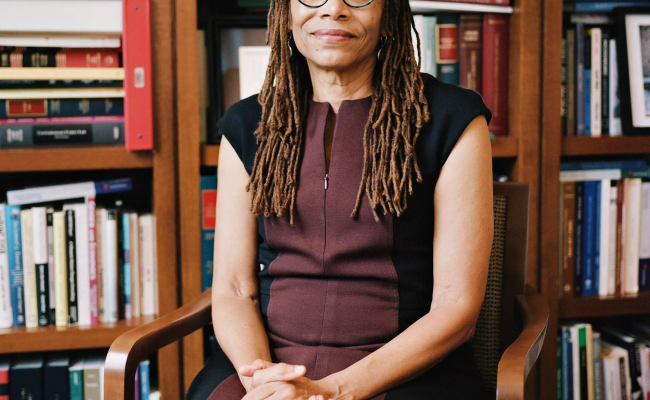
{"points": [[208, 221], [612, 363], [605, 228], [60, 376], [65, 262], [470, 50], [75, 73]]}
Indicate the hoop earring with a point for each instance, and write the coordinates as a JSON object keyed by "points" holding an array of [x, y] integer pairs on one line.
{"points": [[383, 41], [289, 44]]}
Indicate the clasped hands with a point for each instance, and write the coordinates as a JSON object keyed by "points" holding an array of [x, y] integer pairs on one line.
{"points": [[270, 381]]}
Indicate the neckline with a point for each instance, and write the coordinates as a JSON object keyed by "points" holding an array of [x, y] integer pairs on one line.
{"points": [[344, 102]]}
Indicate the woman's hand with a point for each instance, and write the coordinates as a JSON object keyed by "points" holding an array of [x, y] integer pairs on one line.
{"points": [[262, 371], [297, 389]]}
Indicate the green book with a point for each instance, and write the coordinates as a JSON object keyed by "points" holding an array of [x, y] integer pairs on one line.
{"points": [[76, 379], [254, 3]]}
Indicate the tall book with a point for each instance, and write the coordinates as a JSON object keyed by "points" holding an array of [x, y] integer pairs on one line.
{"points": [[56, 385], [208, 221], [611, 265], [109, 250], [82, 260], [588, 239], [430, 22], [596, 81], [76, 376], [147, 264], [126, 245], [134, 261], [15, 254], [447, 48], [571, 82], [136, 53], [60, 270], [603, 232], [29, 270], [71, 263], [644, 238], [6, 314], [579, 237], [25, 377], [587, 82], [50, 263], [92, 260], [145, 381], [495, 71], [580, 78], [100, 218], [471, 51], [34, 108], [39, 245], [121, 294], [4, 378], [567, 214], [632, 219], [93, 378], [606, 37], [615, 127]]}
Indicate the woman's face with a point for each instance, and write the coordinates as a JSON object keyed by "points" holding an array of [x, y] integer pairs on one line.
{"points": [[336, 36]]}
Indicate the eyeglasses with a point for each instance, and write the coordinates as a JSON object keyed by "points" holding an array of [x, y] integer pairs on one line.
{"points": [[349, 3]]}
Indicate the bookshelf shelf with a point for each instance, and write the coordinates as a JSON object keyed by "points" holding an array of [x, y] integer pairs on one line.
{"points": [[603, 146], [594, 306], [419, 6], [73, 159], [51, 338]]}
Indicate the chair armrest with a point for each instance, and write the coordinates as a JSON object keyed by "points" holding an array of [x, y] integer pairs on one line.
{"points": [[521, 355], [127, 351]]}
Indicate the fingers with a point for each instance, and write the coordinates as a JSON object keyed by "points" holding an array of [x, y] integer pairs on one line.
{"points": [[281, 372], [261, 392], [317, 397], [249, 370]]}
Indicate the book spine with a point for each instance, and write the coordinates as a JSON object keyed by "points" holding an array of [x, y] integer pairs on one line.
{"points": [[615, 128], [632, 219], [91, 383], [60, 107], [620, 203], [471, 51], [76, 385], [578, 252], [584, 379], [60, 270], [55, 382], [6, 314], [587, 84], [15, 252], [136, 51], [596, 242], [571, 369], [580, 79], [571, 82], [606, 37], [596, 81], [147, 255], [430, 22], [121, 295], [100, 217], [26, 383], [495, 71], [39, 243], [126, 240], [92, 259], [603, 233], [83, 267], [563, 87], [134, 256], [137, 383], [110, 270], [145, 385], [588, 238], [567, 388], [50, 263], [644, 242], [589, 340], [4, 381], [29, 270], [61, 134], [23, 84], [599, 391], [87, 59], [568, 229], [71, 252], [447, 48], [208, 221], [32, 58], [611, 265]]}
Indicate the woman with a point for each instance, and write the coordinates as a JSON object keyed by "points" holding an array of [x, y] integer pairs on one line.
{"points": [[326, 250]]}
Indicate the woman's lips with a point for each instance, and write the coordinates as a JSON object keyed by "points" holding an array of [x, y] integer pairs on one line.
{"points": [[333, 35]]}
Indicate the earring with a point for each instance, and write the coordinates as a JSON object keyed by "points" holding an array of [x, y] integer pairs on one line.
{"points": [[289, 44], [383, 41]]}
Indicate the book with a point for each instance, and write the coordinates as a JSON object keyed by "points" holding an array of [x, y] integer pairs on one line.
{"points": [[92, 259], [48, 74], [429, 50], [39, 245], [67, 191], [580, 79], [644, 238], [60, 269], [597, 368], [71, 252], [29, 269], [60, 40], [147, 264], [579, 237], [563, 88], [604, 113], [567, 363], [15, 255], [75, 374], [604, 238], [136, 52], [601, 6], [596, 81], [121, 276], [208, 221], [145, 381], [6, 314], [100, 221], [631, 218], [254, 61], [587, 83], [567, 226], [588, 238], [32, 86], [126, 246], [109, 250], [4, 378], [629, 345], [93, 378], [65, 93], [590, 175], [618, 264], [615, 127], [134, 262], [52, 57], [25, 377], [82, 261], [495, 71], [471, 51], [603, 165], [56, 385], [447, 48], [611, 264], [571, 82], [61, 107], [50, 263]]}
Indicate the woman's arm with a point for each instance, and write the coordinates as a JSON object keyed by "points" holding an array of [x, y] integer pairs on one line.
{"points": [[462, 242], [236, 318]]}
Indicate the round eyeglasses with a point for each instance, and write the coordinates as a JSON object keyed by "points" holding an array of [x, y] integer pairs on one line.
{"points": [[349, 3]]}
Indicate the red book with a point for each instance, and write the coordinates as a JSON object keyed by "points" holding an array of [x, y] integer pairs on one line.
{"points": [[92, 260], [136, 54], [87, 59], [495, 71], [27, 108], [471, 52], [4, 379]]}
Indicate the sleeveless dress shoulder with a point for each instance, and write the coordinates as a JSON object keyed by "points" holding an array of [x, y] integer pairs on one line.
{"points": [[333, 289]]}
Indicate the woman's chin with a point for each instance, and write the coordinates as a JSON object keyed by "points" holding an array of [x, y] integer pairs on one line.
{"points": [[339, 62]]}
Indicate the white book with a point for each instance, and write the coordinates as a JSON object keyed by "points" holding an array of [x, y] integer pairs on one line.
{"points": [[88, 93], [596, 81], [644, 231], [29, 269], [41, 258], [611, 265], [154, 244], [100, 218], [590, 175], [253, 63], [109, 251], [59, 40], [632, 226], [575, 350], [611, 376], [644, 358], [66, 192], [621, 355], [147, 256], [83, 264], [134, 259], [60, 270], [419, 26], [154, 395], [68, 16], [615, 127], [6, 313], [603, 273]]}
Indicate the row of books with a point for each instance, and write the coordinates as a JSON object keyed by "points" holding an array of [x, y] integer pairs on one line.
{"points": [[67, 263], [265, 3], [59, 91], [208, 221], [62, 377], [470, 50], [590, 78], [603, 363], [605, 228]]}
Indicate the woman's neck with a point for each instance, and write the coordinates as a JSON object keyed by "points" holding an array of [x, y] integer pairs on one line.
{"points": [[334, 86]]}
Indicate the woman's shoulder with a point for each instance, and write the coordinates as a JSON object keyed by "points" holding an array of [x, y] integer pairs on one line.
{"points": [[238, 125]]}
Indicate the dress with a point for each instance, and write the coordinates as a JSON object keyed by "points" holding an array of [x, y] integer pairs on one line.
{"points": [[334, 289]]}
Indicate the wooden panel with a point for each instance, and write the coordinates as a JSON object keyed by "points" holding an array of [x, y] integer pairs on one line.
{"points": [[594, 306], [72, 159], [588, 146], [51, 338], [187, 106], [164, 187], [210, 155]]}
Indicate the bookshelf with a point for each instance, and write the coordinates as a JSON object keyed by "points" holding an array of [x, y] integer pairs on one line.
{"points": [[516, 155], [161, 164], [554, 149]]}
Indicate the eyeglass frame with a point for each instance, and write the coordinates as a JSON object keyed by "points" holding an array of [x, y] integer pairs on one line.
{"points": [[345, 1]]}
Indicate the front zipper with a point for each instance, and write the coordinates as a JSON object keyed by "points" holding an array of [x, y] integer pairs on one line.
{"points": [[327, 177]]}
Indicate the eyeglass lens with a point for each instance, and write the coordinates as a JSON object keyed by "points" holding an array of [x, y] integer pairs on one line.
{"points": [[351, 3]]}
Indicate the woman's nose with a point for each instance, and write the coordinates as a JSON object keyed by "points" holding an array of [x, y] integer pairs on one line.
{"points": [[335, 9]]}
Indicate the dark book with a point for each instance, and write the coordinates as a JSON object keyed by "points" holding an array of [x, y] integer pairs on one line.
{"points": [[447, 48], [60, 107], [577, 277], [587, 83], [471, 52], [584, 378], [26, 378], [618, 266], [568, 227], [632, 346], [121, 294], [43, 294], [606, 36], [70, 131], [571, 83], [4, 378], [71, 251], [580, 79], [563, 91], [588, 238], [56, 385], [495, 71]]}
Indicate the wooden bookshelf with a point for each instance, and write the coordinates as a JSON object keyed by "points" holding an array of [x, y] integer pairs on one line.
{"points": [[73, 159], [51, 338], [436, 6], [596, 306], [605, 145]]}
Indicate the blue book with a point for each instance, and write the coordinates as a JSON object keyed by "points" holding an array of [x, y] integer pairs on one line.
{"points": [[601, 7], [26, 377], [569, 346], [588, 237], [56, 385], [145, 384], [567, 366], [580, 80], [208, 210], [15, 253], [596, 244], [70, 107], [592, 165], [127, 265], [577, 276], [447, 68]]}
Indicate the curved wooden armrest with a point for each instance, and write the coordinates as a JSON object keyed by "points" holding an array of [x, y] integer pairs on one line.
{"points": [[521, 355], [127, 351]]}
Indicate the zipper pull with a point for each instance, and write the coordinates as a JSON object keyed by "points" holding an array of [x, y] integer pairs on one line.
{"points": [[327, 177]]}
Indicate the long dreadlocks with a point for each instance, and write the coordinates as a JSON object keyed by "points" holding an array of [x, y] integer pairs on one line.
{"points": [[399, 109]]}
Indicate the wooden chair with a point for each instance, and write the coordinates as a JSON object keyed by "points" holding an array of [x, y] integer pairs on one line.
{"points": [[507, 341]]}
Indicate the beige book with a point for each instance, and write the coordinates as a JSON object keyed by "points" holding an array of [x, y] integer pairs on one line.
{"points": [[60, 269], [99, 235], [134, 260], [29, 269]]}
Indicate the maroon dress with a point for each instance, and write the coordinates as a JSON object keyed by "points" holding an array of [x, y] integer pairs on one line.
{"points": [[334, 289]]}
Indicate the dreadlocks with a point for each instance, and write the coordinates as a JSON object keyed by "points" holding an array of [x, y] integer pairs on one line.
{"points": [[399, 109]]}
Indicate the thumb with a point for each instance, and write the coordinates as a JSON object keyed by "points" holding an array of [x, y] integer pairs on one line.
{"points": [[249, 369]]}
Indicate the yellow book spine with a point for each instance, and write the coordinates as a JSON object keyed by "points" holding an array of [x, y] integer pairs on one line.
{"points": [[60, 269], [29, 269]]}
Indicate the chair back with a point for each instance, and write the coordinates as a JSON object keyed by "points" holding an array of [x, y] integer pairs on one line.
{"points": [[497, 327]]}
